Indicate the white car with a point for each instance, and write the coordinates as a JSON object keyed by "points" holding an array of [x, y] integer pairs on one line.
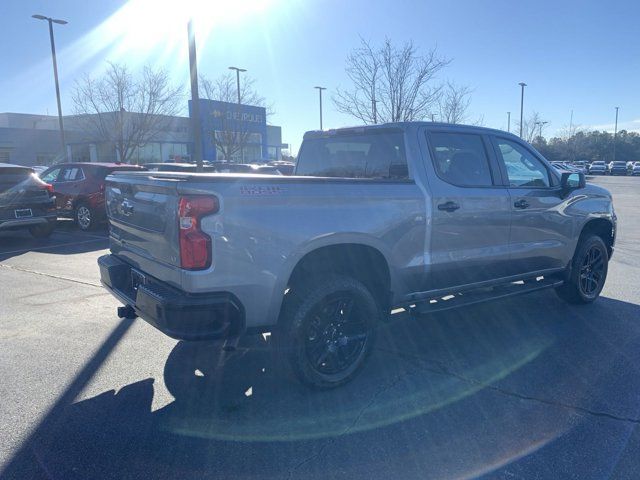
{"points": [[636, 168]]}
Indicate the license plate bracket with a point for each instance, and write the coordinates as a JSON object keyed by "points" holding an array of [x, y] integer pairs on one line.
{"points": [[23, 213], [137, 279]]}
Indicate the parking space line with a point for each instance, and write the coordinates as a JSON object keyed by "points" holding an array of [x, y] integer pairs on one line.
{"points": [[50, 246], [57, 277], [83, 234]]}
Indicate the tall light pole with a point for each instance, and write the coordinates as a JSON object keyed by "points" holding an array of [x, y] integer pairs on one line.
{"points": [[508, 121], [55, 75], [615, 135], [195, 98], [238, 70], [433, 117], [320, 89], [522, 85]]}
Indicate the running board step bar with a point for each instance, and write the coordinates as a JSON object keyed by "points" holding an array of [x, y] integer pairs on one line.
{"points": [[472, 297]]}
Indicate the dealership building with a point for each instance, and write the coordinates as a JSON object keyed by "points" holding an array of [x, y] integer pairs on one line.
{"points": [[228, 131]]}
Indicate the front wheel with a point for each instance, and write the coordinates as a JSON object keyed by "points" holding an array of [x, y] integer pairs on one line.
{"points": [[588, 272], [328, 330]]}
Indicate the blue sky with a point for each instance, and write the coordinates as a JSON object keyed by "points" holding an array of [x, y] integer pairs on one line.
{"points": [[580, 56]]}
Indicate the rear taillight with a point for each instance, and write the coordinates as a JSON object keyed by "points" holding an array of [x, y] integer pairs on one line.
{"points": [[48, 187], [195, 245]]}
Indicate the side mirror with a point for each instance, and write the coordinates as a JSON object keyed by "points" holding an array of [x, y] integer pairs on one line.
{"points": [[572, 180]]}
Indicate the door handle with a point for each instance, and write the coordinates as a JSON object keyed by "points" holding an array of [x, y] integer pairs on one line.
{"points": [[521, 204], [448, 206]]}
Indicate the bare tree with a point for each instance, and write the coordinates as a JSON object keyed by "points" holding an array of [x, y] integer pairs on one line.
{"points": [[532, 126], [390, 83], [453, 103], [234, 135], [125, 111]]}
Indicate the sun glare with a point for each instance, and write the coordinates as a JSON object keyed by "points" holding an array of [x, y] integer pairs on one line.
{"points": [[154, 32], [144, 25]]}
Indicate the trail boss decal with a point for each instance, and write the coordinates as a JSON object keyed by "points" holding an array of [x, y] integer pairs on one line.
{"points": [[261, 190]]}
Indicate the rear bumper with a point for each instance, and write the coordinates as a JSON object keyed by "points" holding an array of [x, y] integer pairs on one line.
{"points": [[178, 314]]}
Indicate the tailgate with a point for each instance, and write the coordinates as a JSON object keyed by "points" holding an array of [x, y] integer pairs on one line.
{"points": [[142, 213]]}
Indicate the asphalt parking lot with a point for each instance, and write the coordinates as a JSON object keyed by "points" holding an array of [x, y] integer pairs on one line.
{"points": [[528, 387]]}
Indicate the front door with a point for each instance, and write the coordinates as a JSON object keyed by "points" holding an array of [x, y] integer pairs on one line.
{"points": [[471, 213], [540, 229]]}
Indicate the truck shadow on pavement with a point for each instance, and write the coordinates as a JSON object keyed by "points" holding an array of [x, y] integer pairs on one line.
{"points": [[516, 383], [66, 239]]}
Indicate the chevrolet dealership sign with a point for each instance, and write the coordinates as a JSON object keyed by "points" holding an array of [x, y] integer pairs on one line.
{"points": [[224, 116], [236, 115]]}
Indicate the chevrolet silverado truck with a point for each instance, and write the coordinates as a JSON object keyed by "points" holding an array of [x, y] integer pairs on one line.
{"points": [[420, 216]]}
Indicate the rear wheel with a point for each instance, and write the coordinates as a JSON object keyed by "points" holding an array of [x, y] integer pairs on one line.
{"points": [[84, 217], [42, 231], [588, 272], [328, 330]]}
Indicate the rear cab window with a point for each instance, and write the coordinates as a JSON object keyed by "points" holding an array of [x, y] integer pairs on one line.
{"points": [[371, 155]]}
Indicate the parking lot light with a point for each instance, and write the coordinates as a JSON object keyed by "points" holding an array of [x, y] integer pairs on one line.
{"points": [[51, 21]]}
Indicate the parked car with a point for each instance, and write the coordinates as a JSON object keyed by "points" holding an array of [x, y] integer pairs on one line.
{"points": [[26, 202], [39, 169], [322, 257], [230, 167], [617, 168], [286, 168], [636, 169], [598, 168], [177, 167], [581, 166], [214, 168], [79, 189], [267, 170], [563, 166]]}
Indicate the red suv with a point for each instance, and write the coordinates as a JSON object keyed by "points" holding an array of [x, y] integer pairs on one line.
{"points": [[79, 190]]}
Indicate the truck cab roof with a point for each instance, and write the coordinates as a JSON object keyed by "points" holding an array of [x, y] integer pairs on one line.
{"points": [[404, 126]]}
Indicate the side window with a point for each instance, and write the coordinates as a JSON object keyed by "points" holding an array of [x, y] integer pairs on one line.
{"points": [[51, 176], [523, 168], [461, 159], [72, 174], [368, 155]]}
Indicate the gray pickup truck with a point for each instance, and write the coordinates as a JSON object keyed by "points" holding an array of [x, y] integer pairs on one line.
{"points": [[420, 216]]}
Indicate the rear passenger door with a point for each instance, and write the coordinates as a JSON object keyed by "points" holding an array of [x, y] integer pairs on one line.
{"points": [[471, 213], [540, 230]]}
